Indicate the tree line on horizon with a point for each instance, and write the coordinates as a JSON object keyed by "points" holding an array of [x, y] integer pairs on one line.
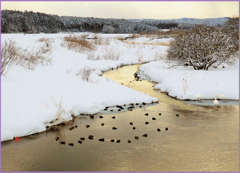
{"points": [[13, 21]]}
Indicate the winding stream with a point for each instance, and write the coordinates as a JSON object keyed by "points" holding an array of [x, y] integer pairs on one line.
{"points": [[201, 138]]}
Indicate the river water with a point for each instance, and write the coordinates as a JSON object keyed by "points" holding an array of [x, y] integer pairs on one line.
{"points": [[201, 138]]}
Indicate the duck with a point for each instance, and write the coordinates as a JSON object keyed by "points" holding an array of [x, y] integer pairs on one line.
{"points": [[101, 140], [90, 137], [215, 101], [198, 97], [153, 118], [145, 135], [221, 96]]}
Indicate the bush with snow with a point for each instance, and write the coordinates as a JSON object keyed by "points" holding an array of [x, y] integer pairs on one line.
{"points": [[232, 29], [203, 47]]}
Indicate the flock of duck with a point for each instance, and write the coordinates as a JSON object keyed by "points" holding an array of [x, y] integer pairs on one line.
{"points": [[91, 137]]}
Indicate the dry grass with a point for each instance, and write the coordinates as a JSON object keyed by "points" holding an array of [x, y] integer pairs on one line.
{"points": [[159, 56], [158, 43], [91, 56], [133, 36], [9, 55], [185, 86], [84, 36], [163, 34], [140, 57], [59, 106], [12, 54], [120, 38], [85, 74], [109, 54], [77, 43], [44, 40], [102, 41]]}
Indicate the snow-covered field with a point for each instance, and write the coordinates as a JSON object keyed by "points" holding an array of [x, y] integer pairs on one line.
{"points": [[54, 90], [186, 83], [32, 98]]}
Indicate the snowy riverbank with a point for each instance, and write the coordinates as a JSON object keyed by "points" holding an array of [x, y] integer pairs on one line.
{"points": [[53, 90], [186, 83]]}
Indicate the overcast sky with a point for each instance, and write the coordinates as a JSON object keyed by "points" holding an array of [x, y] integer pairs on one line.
{"points": [[130, 10]]}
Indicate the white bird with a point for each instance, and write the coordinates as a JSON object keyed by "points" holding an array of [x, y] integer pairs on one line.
{"points": [[221, 96], [215, 101], [198, 97]]}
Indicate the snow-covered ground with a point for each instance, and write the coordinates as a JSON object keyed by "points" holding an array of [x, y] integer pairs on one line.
{"points": [[32, 98], [54, 90], [186, 83]]}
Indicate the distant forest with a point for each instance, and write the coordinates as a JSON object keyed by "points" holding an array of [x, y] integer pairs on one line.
{"points": [[35, 22]]}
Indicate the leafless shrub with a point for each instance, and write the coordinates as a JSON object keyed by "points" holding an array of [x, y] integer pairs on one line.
{"points": [[85, 73], [9, 55], [202, 47], [77, 44]]}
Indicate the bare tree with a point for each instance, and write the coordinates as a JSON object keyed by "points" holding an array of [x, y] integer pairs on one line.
{"points": [[202, 47]]}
